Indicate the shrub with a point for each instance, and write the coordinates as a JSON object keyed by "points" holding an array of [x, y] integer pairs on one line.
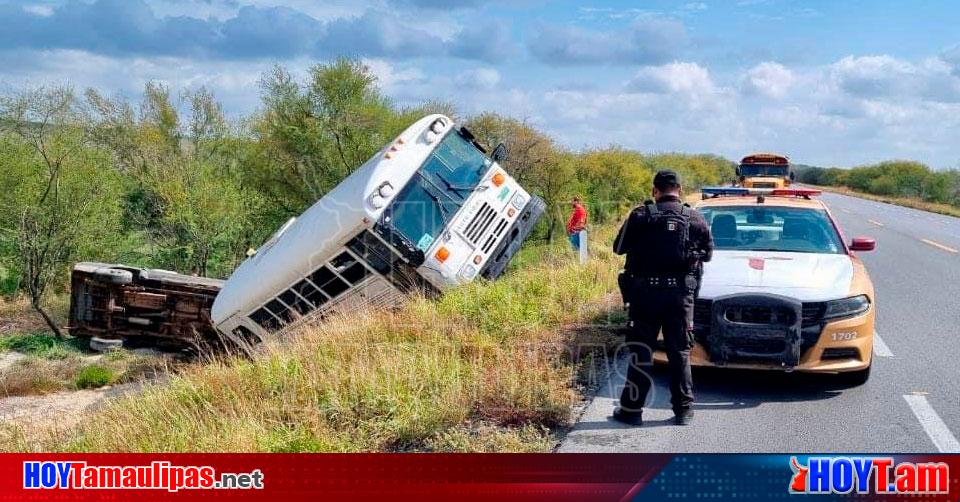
{"points": [[93, 376], [41, 345]]}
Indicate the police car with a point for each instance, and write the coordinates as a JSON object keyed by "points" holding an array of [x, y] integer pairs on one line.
{"points": [[783, 290]]}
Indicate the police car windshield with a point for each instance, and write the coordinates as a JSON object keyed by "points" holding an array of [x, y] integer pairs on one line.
{"points": [[771, 228]]}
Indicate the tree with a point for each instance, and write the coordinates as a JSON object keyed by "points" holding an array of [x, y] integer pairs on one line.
{"points": [[61, 198], [310, 136], [613, 178], [528, 150], [185, 186]]}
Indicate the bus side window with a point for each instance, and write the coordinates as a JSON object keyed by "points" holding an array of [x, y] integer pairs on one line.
{"points": [[265, 320], [373, 251], [291, 299], [280, 310], [348, 267], [312, 294], [328, 282]]}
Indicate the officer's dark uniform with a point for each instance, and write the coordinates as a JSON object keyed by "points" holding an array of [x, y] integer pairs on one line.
{"points": [[661, 299]]}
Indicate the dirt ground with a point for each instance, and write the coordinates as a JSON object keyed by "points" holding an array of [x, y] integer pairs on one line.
{"points": [[16, 316]]}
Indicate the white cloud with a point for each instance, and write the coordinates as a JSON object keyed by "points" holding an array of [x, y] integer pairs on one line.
{"points": [[870, 76], [677, 77], [769, 79], [648, 40], [39, 9], [390, 76], [479, 78]]}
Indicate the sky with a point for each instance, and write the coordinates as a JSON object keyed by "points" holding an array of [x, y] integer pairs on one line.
{"points": [[831, 83]]}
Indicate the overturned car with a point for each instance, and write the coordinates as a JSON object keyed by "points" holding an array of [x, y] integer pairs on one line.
{"points": [[111, 303]]}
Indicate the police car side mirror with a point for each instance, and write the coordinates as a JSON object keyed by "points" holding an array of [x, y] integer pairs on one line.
{"points": [[863, 244]]}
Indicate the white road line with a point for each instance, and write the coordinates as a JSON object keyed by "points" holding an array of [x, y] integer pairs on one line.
{"points": [[940, 246], [880, 349], [875, 222], [932, 424]]}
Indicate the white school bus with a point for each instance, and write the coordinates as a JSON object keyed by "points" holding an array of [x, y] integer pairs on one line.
{"points": [[429, 211]]}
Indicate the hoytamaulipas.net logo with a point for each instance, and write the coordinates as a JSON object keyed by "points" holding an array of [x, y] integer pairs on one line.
{"points": [[158, 475], [878, 475]]}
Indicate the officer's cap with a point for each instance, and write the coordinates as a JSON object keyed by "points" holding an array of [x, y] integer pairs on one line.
{"points": [[666, 177]]}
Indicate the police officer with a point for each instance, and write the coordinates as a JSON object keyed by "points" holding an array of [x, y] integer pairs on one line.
{"points": [[666, 242]]}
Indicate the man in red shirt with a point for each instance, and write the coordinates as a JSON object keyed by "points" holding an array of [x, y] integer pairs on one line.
{"points": [[576, 223]]}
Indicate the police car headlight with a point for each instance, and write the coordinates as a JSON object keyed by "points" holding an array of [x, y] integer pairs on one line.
{"points": [[847, 307], [468, 271], [518, 201]]}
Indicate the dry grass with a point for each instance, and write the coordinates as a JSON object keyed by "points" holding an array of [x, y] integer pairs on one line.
{"points": [[914, 203], [487, 367], [60, 369], [16, 316]]}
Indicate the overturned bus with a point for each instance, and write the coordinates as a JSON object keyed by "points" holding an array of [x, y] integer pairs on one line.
{"points": [[429, 211]]}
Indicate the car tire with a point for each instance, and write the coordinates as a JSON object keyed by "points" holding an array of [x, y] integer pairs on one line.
{"points": [[116, 276], [856, 378], [98, 344]]}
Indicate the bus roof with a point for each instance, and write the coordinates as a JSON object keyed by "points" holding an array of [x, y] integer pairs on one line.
{"points": [[765, 158], [317, 233]]}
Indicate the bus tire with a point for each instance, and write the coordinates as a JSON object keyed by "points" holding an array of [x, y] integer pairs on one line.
{"points": [[116, 276]]}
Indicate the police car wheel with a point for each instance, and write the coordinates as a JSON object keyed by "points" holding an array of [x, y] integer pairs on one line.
{"points": [[855, 378]]}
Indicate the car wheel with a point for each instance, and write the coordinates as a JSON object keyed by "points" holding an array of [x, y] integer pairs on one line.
{"points": [[115, 276], [98, 344], [856, 378]]}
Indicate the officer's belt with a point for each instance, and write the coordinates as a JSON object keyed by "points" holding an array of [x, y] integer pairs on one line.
{"points": [[659, 282]]}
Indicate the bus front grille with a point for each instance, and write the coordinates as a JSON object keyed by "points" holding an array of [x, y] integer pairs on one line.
{"points": [[479, 224]]}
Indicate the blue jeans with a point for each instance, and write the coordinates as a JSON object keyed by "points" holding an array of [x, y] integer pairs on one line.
{"points": [[575, 240]]}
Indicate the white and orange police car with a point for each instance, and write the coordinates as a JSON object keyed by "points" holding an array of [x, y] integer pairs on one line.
{"points": [[783, 290]]}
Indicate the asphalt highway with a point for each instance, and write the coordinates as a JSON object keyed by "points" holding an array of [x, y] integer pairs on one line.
{"points": [[910, 404]]}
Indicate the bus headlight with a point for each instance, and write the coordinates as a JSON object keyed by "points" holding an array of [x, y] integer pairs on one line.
{"points": [[468, 271], [385, 190], [846, 307], [518, 201]]}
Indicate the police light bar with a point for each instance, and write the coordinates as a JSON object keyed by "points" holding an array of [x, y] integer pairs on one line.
{"points": [[795, 192], [741, 191], [718, 191]]}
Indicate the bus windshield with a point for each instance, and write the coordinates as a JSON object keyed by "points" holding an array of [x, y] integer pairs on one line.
{"points": [[763, 228], [437, 191], [764, 170]]}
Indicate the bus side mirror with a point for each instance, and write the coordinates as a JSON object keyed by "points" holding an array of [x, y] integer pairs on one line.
{"points": [[738, 171], [499, 153], [793, 176], [863, 244]]}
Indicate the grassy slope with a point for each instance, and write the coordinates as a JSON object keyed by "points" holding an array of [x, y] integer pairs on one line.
{"points": [[491, 366]]}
